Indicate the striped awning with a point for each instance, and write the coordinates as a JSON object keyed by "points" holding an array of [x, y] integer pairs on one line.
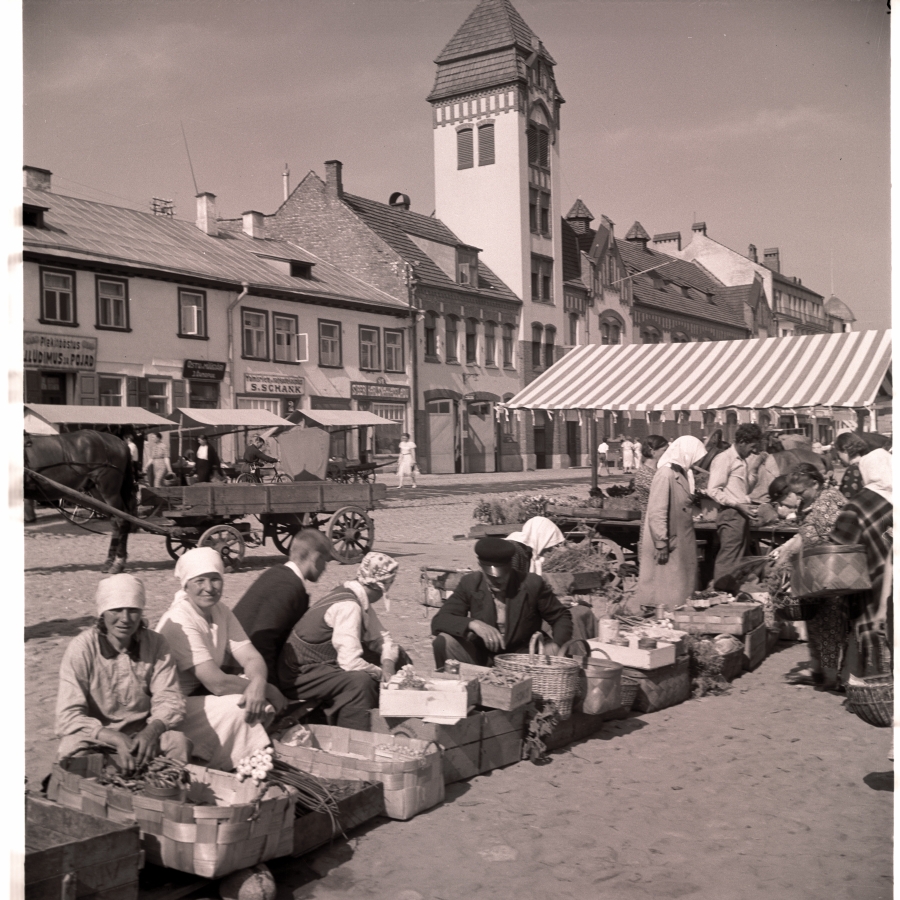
{"points": [[839, 370]]}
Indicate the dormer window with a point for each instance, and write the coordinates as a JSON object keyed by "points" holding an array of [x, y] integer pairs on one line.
{"points": [[301, 269], [466, 266], [33, 216]]}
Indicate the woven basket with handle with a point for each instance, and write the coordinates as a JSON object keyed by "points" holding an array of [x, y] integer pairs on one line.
{"points": [[829, 570], [227, 827], [553, 678], [873, 700]]}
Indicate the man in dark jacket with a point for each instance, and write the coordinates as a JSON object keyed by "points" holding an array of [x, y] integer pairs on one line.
{"points": [[495, 610], [254, 455], [276, 601]]}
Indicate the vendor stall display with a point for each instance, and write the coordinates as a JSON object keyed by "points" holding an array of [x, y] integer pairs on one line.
{"points": [[439, 696]]}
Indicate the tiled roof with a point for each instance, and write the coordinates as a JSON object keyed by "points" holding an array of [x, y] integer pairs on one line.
{"points": [[637, 232], [666, 294], [84, 229], [466, 76], [394, 225], [493, 24], [579, 211]]}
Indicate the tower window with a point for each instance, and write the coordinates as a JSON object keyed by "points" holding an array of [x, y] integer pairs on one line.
{"points": [[464, 149], [541, 279], [486, 144], [538, 146]]}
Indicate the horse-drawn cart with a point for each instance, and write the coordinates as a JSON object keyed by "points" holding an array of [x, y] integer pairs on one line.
{"points": [[211, 515]]}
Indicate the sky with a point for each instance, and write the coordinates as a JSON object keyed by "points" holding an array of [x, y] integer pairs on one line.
{"points": [[767, 120]]}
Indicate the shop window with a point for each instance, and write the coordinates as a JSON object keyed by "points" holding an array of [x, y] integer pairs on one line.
{"points": [[464, 149], [272, 405], [387, 437], [330, 344], [370, 348], [508, 346], [393, 351], [285, 329], [204, 395], [471, 341], [537, 339], [58, 297], [549, 346], [191, 314], [111, 390], [112, 303], [431, 351], [486, 144], [490, 344], [255, 327], [452, 339]]}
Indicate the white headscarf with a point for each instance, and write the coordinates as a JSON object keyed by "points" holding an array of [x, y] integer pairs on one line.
{"points": [[877, 473], [685, 452], [196, 562], [122, 591], [540, 534]]}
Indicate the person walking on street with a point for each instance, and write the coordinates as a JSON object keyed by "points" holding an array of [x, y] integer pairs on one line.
{"points": [[627, 455], [406, 462], [159, 464], [732, 476], [207, 459], [602, 450]]}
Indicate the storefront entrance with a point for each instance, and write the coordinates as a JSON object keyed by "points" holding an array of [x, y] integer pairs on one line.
{"points": [[45, 387], [442, 436], [481, 437]]}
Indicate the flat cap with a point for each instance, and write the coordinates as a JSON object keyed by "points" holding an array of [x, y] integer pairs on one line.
{"points": [[494, 551]]}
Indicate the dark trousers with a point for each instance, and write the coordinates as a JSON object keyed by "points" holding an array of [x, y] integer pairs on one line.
{"points": [[734, 541], [468, 650]]}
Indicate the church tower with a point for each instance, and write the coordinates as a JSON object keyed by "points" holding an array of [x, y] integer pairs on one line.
{"points": [[496, 158]]}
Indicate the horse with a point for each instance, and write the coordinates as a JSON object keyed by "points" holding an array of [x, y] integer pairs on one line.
{"points": [[86, 461]]}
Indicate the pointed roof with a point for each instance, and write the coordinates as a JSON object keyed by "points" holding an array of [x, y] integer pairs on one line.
{"points": [[492, 25], [637, 232], [580, 211], [836, 307]]}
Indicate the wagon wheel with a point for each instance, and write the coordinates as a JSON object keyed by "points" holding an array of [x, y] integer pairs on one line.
{"points": [[227, 540], [284, 532], [75, 512], [368, 476], [610, 551], [178, 546], [352, 534]]}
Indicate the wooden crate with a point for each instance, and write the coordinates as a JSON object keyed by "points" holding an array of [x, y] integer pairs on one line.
{"points": [[662, 655], [498, 696], [733, 664], [69, 854], [445, 696], [755, 647], [724, 618], [660, 688], [501, 738], [315, 829]]}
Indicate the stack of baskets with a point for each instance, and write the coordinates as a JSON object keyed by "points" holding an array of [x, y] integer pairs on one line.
{"points": [[553, 678], [872, 699]]}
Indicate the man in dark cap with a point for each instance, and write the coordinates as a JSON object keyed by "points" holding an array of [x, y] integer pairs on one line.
{"points": [[496, 610]]}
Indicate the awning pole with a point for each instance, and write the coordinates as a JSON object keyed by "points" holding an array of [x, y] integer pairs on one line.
{"points": [[593, 451]]}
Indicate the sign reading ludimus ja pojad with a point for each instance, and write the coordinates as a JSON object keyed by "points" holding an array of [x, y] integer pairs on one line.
{"points": [[292, 385], [55, 351], [365, 390]]}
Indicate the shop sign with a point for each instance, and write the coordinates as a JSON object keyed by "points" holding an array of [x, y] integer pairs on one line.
{"points": [[273, 384], [362, 390], [55, 351], [203, 370]]}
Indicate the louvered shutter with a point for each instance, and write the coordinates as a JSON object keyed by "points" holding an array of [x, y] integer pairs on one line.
{"points": [[544, 149], [464, 149], [486, 145]]}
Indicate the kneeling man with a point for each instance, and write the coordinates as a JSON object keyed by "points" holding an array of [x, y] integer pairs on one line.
{"points": [[496, 610], [336, 653]]}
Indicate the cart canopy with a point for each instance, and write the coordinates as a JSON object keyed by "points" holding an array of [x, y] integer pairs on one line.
{"points": [[831, 370], [340, 418], [96, 415]]}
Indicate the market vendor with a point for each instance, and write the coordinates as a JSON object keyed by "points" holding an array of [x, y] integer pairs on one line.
{"points": [[339, 652], [278, 599], [118, 685], [496, 610], [225, 714]]}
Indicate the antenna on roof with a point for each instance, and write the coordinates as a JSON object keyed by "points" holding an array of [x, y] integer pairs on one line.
{"points": [[187, 149], [831, 254]]}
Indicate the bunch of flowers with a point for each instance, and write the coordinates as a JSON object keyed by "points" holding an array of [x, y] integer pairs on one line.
{"points": [[256, 766]]}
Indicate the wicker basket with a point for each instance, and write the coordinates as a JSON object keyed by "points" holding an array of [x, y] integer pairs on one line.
{"points": [[553, 678], [873, 701], [660, 688], [232, 829], [629, 693], [797, 611], [829, 570], [410, 785]]}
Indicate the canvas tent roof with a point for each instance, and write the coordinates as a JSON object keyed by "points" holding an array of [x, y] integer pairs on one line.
{"points": [[96, 415], [341, 418], [837, 370], [236, 418]]}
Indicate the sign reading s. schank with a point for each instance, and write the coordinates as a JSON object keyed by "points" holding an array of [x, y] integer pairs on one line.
{"points": [[60, 351], [292, 385]]}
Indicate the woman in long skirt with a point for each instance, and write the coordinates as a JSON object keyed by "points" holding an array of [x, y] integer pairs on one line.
{"points": [[406, 462]]}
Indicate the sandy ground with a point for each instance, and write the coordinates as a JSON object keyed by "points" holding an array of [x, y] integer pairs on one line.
{"points": [[770, 791]]}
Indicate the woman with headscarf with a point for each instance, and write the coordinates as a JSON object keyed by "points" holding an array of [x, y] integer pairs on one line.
{"points": [[226, 713], [538, 535], [118, 685], [652, 448], [850, 446], [668, 552], [868, 519], [339, 652]]}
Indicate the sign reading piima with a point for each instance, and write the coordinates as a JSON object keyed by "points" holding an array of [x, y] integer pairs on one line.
{"points": [[273, 384], [54, 351]]}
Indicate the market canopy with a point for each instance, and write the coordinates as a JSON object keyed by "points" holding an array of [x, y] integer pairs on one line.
{"points": [[832, 370], [340, 418], [230, 418], [96, 415]]}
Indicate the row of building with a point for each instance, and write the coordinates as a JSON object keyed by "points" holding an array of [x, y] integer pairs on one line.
{"points": [[339, 302]]}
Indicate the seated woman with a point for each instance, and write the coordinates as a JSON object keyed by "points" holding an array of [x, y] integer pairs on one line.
{"points": [[118, 685], [226, 714], [338, 653]]}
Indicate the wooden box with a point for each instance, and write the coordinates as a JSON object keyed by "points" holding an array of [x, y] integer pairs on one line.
{"points": [[445, 697], [498, 696], [755, 647], [733, 664], [69, 854], [361, 802], [501, 738], [773, 636], [662, 655], [572, 582], [724, 618], [660, 688]]}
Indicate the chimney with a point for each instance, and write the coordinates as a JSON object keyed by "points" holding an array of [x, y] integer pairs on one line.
{"points": [[36, 179], [751, 253], [671, 240], [334, 181], [399, 201], [254, 224], [206, 214], [286, 178], [699, 228], [771, 259]]}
